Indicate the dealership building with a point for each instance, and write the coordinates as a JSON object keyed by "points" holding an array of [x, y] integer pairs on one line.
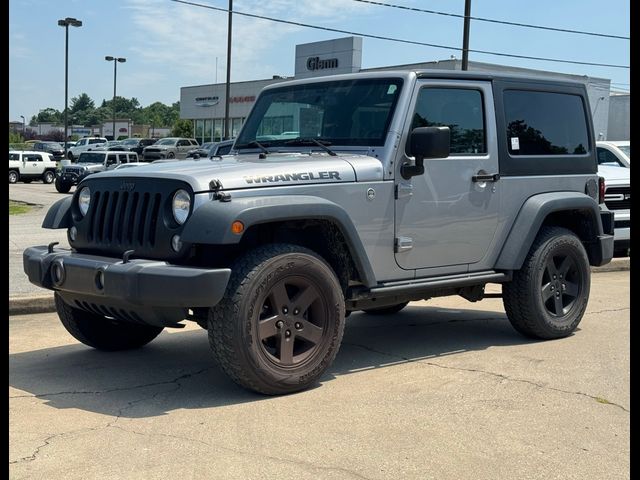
{"points": [[204, 105]]}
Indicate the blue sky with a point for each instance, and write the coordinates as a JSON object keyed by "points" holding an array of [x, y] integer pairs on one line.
{"points": [[170, 45]]}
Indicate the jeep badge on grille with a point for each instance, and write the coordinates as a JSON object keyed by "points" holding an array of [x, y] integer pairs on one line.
{"points": [[127, 186]]}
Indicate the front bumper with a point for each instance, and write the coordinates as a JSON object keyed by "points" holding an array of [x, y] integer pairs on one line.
{"points": [[154, 155], [145, 291]]}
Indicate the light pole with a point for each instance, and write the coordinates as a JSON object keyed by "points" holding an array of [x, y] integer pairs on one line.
{"points": [[66, 23], [115, 61], [22, 117]]}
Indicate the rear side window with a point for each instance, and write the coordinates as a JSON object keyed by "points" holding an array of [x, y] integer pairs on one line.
{"points": [[14, 156], [545, 123], [460, 109]]}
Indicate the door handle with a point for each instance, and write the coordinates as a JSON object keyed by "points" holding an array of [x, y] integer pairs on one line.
{"points": [[488, 177]]}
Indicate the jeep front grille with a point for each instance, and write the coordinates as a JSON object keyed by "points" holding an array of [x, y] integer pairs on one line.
{"points": [[128, 213], [618, 198], [124, 218]]}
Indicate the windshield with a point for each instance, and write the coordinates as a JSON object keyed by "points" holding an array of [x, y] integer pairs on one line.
{"points": [[626, 149], [345, 112], [166, 141], [88, 157]]}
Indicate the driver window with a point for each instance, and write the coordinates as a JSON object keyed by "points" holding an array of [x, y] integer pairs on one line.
{"points": [[460, 109]]}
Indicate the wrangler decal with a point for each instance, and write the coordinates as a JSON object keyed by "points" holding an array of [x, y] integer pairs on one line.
{"points": [[292, 177]]}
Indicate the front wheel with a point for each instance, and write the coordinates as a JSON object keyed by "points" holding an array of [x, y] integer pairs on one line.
{"points": [[13, 176], [280, 323], [48, 177], [103, 333], [548, 295], [62, 187], [171, 155]]}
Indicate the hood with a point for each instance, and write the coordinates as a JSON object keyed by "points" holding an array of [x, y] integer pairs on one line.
{"points": [[249, 171], [614, 174]]}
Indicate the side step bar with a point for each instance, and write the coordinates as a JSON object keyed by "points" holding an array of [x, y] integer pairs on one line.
{"points": [[433, 283]]}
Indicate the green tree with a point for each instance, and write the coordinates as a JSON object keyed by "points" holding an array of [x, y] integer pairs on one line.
{"points": [[182, 128], [48, 115], [81, 103]]}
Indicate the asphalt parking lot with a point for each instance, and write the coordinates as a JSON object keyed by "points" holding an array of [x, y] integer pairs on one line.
{"points": [[444, 390]]}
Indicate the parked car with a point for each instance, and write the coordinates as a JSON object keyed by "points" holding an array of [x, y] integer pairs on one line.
{"points": [[170, 147], [212, 149], [201, 151], [132, 164], [617, 199], [89, 163], [51, 147], [112, 145], [85, 144], [31, 165], [137, 144], [614, 153]]}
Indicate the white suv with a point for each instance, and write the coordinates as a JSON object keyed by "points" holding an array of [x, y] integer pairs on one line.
{"points": [[84, 145], [617, 198], [31, 165], [614, 153]]}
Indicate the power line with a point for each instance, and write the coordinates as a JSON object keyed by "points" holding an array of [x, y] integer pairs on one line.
{"points": [[491, 20], [392, 39]]}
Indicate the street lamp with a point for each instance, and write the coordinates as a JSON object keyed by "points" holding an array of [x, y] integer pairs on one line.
{"points": [[66, 23], [115, 61], [22, 117]]}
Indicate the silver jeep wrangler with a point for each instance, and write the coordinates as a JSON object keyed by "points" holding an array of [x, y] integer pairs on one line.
{"points": [[397, 186]]}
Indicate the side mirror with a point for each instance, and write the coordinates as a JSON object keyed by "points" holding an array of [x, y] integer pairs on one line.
{"points": [[426, 142]]}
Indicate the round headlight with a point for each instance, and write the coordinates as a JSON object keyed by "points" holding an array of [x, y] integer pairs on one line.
{"points": [[180, 206], [84, 199]]}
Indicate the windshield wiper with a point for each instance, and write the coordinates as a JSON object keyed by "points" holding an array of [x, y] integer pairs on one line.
{"points": [[312, 141], [254, 144]]}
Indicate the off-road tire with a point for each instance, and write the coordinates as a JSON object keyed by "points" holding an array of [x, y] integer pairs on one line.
{"points": [[14, 176], [388, 310], [103, 333], [48, 177], [537, 304], [62, 187], [266, 282]]}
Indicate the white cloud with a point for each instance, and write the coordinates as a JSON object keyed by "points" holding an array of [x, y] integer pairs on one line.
{"points": [[186, 38]]}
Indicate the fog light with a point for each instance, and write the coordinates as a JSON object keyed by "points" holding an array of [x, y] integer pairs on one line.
{"points": [[176, 243], [100, 280], [73, 233], [57, 273]]}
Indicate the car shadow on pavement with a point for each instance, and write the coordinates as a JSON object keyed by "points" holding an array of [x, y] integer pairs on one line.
{"points": [[177, 370]]}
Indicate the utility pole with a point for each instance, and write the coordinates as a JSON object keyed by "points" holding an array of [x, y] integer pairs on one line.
{"points": [[465, 36], [228, 88]]}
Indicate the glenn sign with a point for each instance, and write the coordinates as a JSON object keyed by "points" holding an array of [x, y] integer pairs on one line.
{"points": [[314, 63]]}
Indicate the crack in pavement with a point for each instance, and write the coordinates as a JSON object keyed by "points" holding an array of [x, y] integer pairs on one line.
{"points": [[499, 375], [302, 463], [47, 441], [119, 389]]}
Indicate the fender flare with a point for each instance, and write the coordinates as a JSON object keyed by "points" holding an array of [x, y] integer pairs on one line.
{"points": [[532, 214], [210, 224], [59, 214]]}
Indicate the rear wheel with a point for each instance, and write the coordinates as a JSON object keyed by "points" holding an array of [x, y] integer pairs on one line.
{"points": [[101, 332], [171, 155], [62, 187], [13, 176], [548, 295], [280, 323], [48, 177], [388, 310]]}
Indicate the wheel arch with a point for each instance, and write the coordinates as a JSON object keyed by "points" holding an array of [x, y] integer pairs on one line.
{"points": [[269, 218], [573, 210]]}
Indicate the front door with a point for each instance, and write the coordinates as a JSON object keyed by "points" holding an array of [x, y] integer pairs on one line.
{"points": [[446, 217]]}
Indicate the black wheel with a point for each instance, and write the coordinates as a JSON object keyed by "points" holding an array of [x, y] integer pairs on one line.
{"points": [[48, 177], [549, 294], [62, 187], [171, 155], [280, 323], [103, 333], [389, 310], [13, 176]]}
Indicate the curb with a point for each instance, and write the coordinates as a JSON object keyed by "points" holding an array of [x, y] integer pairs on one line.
{"points": [[31, 304], [45, 303]]}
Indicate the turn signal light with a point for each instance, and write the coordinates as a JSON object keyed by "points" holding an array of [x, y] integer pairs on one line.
{"points": [[237, 227]]}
